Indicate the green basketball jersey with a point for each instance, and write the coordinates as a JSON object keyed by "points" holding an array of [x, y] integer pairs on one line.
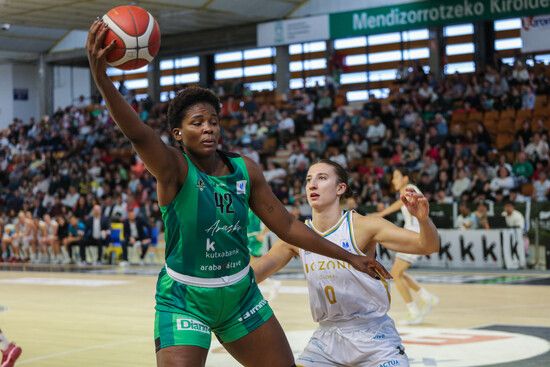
{"points": [[254, 228], [205, 224]]}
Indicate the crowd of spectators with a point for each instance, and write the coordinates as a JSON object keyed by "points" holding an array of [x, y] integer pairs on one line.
{"points": [[60, 172]]}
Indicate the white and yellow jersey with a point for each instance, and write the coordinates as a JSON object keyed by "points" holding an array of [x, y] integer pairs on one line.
{"points": [[411, 223], [337, 291]]}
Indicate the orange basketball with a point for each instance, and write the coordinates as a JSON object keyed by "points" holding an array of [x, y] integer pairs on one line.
{"points": [[136, 34]]}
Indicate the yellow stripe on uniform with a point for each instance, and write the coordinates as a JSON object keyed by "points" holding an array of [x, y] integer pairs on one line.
{"points": [[385, 284]]}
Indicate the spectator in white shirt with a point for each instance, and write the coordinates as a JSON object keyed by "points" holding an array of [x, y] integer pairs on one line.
{"points": [[503, 181], [287, 123], [461, 184], [537, 149], [274, 173], [514, 219], [71, 198], [541, 187], [376, 132], [520, 72]]}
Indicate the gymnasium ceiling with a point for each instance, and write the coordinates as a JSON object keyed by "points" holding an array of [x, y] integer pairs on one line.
{"points": [[35, 26]]}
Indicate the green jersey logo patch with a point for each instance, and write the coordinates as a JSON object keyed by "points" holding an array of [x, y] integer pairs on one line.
{"points": [[200, 184], [241, 187]]}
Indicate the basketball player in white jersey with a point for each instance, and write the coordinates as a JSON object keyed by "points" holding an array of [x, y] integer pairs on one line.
{"points": [[47, 238], [351, 308], [20, 245], [403, 281]]}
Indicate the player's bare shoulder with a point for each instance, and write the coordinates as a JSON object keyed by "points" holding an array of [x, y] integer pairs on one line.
{"points": [[364, 226]]}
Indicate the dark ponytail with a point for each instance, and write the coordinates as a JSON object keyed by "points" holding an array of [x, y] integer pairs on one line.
{"points": [[343, 177], [405, 172]]}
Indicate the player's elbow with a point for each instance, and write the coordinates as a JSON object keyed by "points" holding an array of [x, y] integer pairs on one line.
{"points": [[430, 247]]}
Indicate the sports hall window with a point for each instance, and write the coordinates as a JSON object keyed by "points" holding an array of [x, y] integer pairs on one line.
{"points": [[297, 83], [460, 49], [543, 58], [259, 53], [416, 53], [259, 70], [186, 62], [228, 57], [508, 43], [383, 39], [308, 64], [136, 83], [458, 30], [229, 73], [507, 24], [388, 74], [460, 67], [299, 48], [341, 44], [351, 78], [259, 86], [415, 35], [386, 56], [363, 95], [176, 77]]}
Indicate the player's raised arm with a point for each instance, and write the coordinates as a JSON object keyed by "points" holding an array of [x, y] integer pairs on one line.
{"points": [[403, 240], [275, 216], [157, 156]]}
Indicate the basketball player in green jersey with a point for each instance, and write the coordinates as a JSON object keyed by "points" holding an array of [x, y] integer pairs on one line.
{"points": [[255, 234], [207, 284]]}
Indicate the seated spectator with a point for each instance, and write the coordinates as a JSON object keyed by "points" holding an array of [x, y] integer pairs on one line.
{"points": [[75, 234], [97, 232], [357, 148], [411, 156], [274, 173], [297, 161], [285, 128], [523, 136], [461, 184], [514, 219], [466, 219], [137, 235], [376, 132], [441, 197], [523, 169], [537, 149], [482, 217], [541, 187], [441, 125], [71, 198], [503, 181], [324, 106], [527, 98]]}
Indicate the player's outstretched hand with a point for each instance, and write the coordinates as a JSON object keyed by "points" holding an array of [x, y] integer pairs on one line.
{"points": [[416, 203], [95, 50], [370, 266]]}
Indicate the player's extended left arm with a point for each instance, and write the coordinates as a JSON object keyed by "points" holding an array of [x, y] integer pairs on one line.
{"points": [[402, 240]]}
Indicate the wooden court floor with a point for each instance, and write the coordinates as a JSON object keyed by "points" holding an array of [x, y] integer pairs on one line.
{"points": [[73, 319]]}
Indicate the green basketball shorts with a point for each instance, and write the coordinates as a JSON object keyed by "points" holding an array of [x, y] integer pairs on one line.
{"points": [[187, 315]]}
